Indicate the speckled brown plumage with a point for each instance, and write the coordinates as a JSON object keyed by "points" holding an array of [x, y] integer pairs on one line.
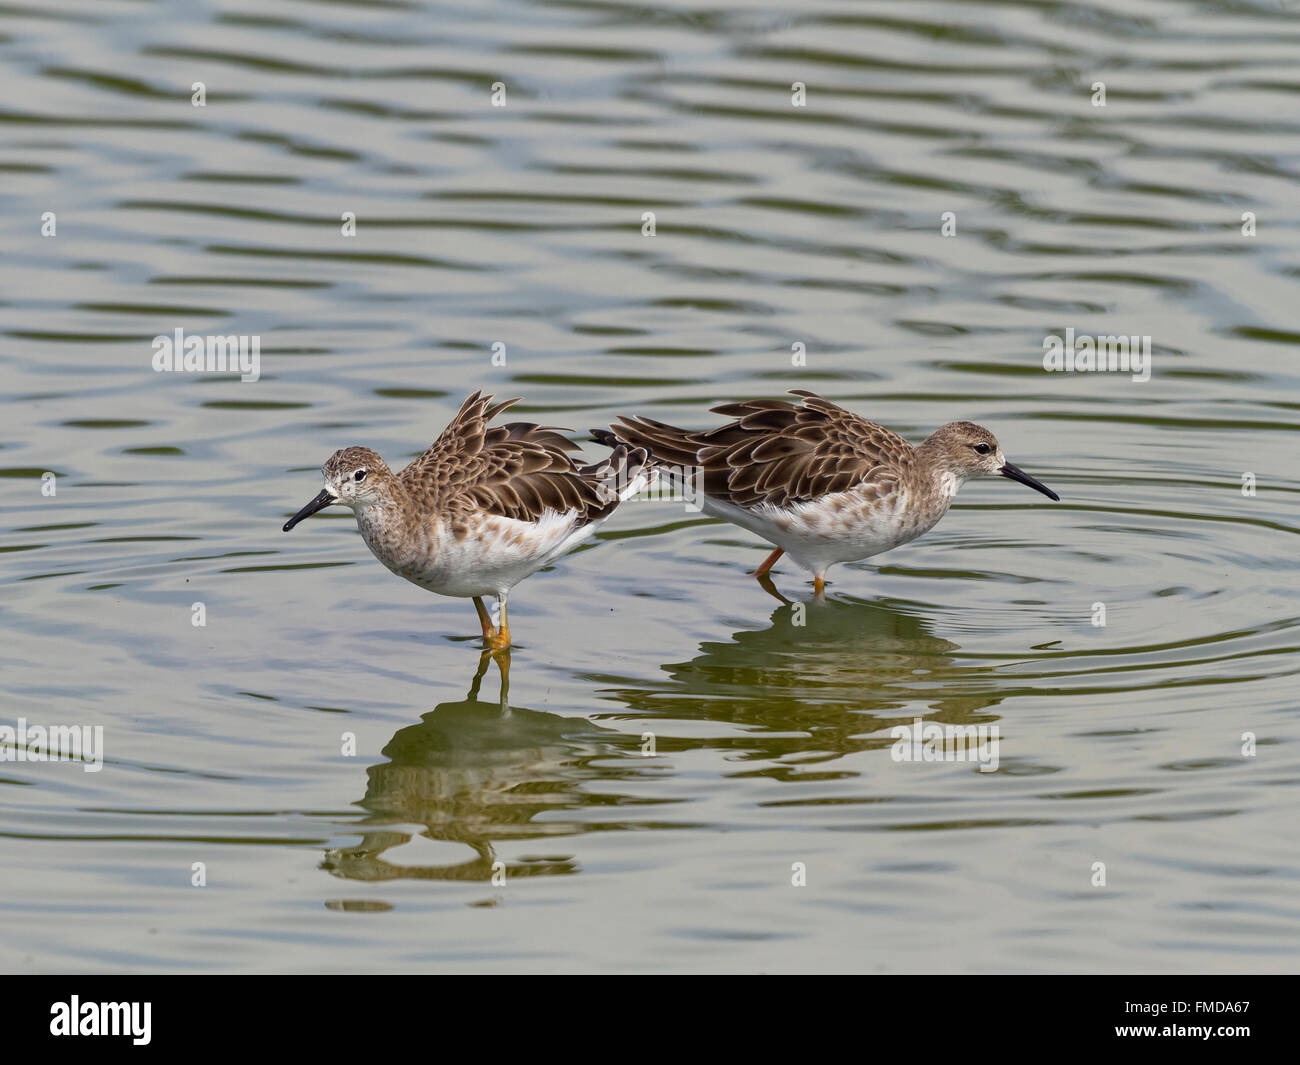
{"points": [[516, 470], [779, 452]]}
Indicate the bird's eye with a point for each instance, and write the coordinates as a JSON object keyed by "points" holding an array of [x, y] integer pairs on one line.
{"points": [[980, 449], [360, 475]]}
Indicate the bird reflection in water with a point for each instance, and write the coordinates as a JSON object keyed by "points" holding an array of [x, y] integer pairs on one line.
{"points": [[822, 680], [477, 773]]}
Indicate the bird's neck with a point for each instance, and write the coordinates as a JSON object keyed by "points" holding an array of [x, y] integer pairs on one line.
{"points": [[382, 516], [947, 483], [945, 480]]}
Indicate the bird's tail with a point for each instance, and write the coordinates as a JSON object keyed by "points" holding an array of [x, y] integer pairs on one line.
{"points": [[665, 443], [627, 471]]}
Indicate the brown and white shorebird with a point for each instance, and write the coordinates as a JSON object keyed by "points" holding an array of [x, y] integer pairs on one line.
{"points": [[483, 508], [818, 481]]}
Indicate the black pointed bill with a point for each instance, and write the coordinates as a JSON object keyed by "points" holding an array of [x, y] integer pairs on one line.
{"points": [[322, 501], [1017, 474]]}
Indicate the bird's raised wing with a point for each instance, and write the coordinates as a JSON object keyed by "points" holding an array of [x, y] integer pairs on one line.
{"points": [[517, 470]]}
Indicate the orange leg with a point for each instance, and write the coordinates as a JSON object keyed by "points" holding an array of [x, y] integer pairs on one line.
{"points": [[485, 619], [501, 640], [819, 586], [769, 562]]}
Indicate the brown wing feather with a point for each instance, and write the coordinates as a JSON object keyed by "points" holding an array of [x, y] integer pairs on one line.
{"points": [[517, 470], [778, 452]]}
